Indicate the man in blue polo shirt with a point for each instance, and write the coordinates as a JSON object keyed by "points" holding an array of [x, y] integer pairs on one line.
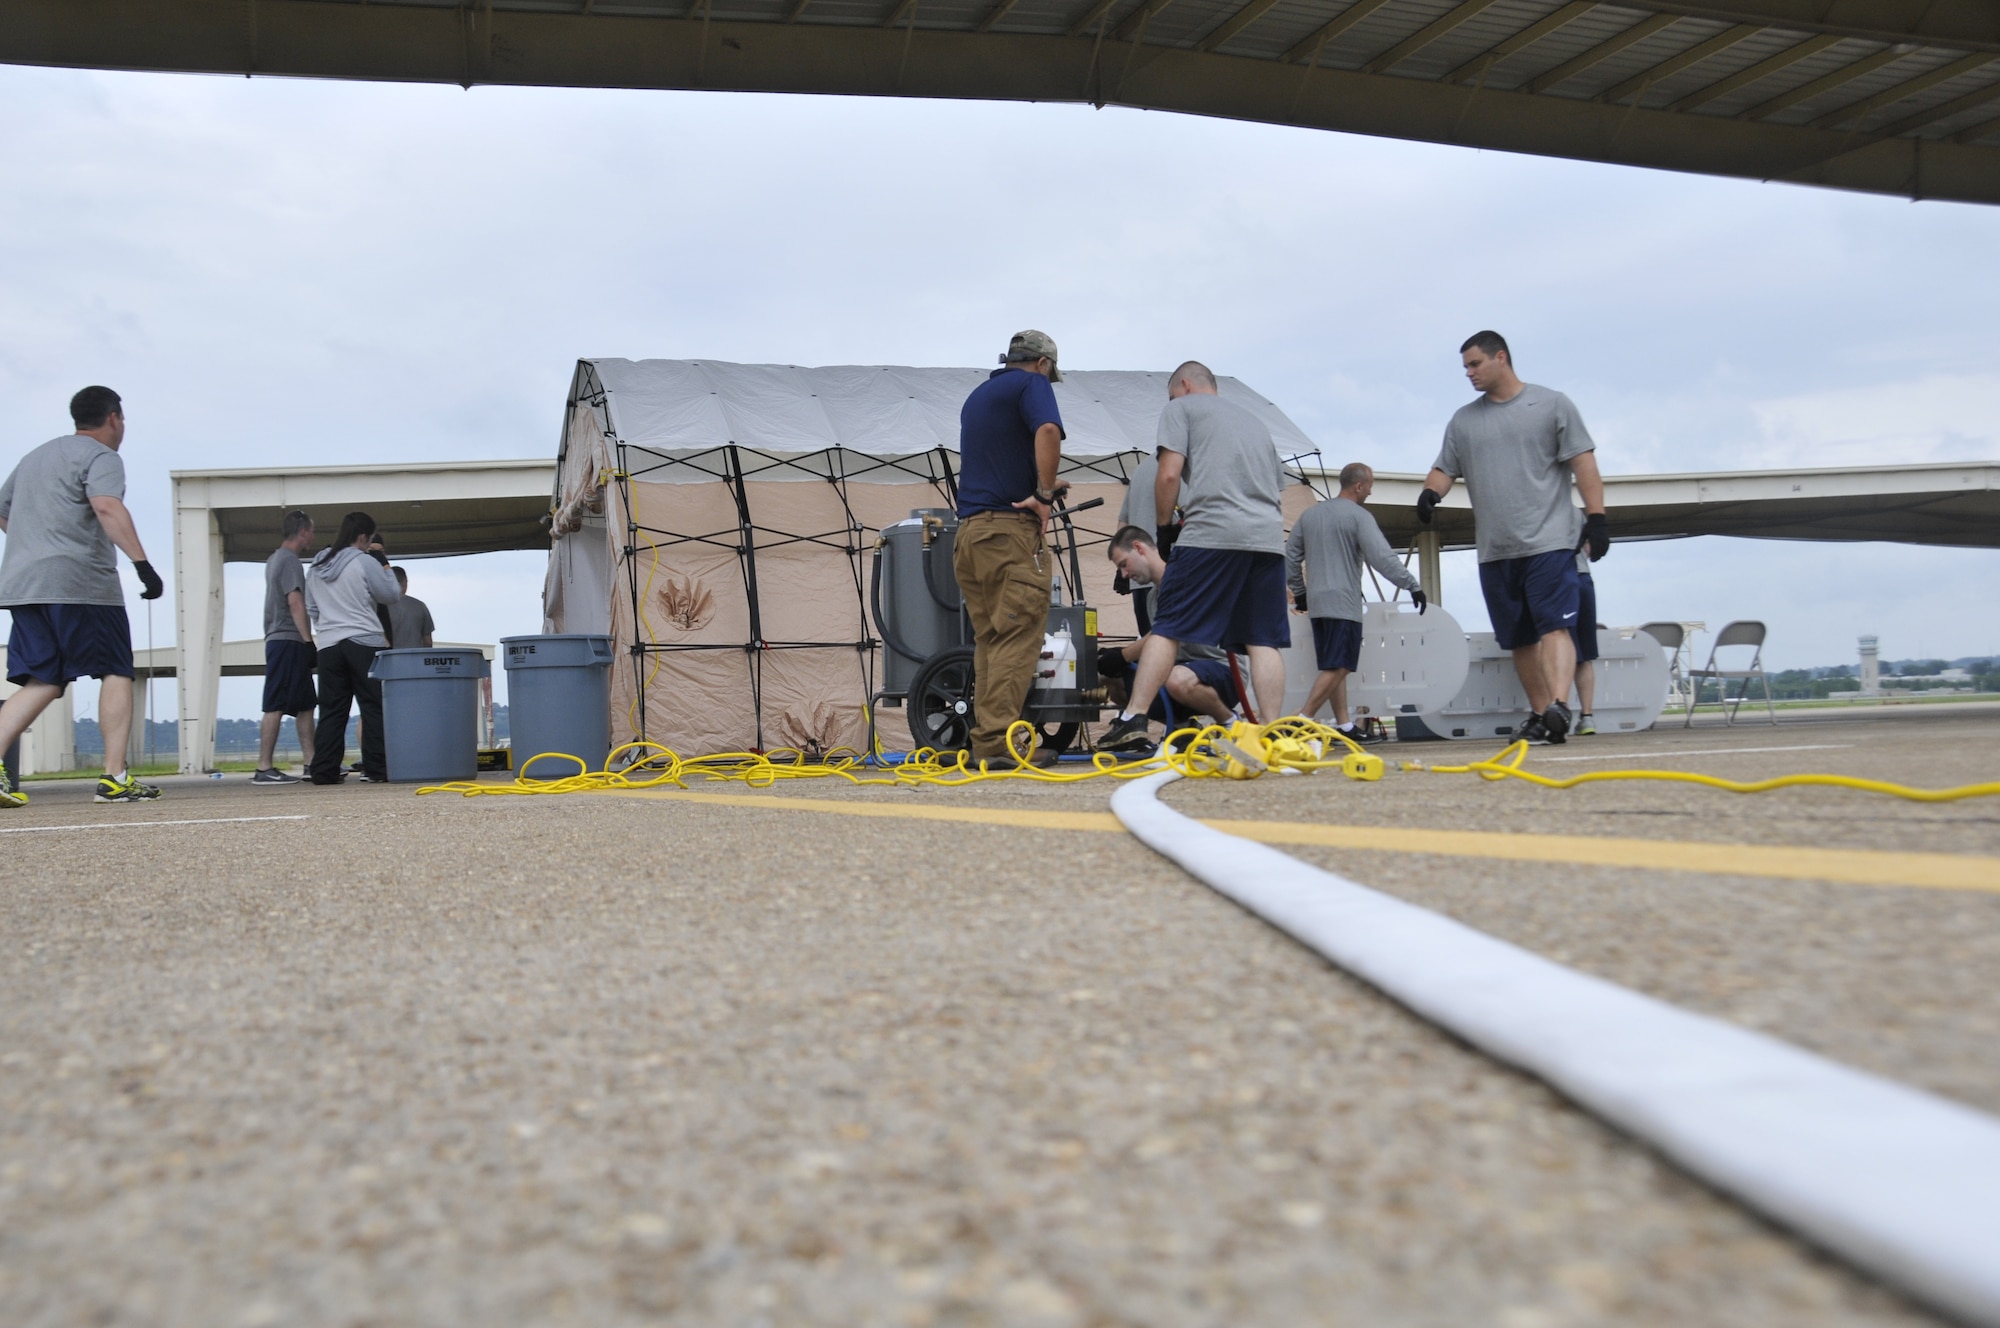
{"points": [[1517, 447], [63, 511], [1010, 448]]}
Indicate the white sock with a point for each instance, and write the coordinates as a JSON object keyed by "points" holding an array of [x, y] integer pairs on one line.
{"points": [[118, 778], [1124, 715]]}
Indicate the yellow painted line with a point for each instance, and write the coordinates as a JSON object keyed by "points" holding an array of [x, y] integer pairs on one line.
{"points": [[1938, 871]]}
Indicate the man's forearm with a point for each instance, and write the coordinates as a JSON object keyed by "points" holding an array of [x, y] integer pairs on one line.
{"points": [[1589, 481], [1167, 489], [297, 602], [1048, 457], [1438, 481], [116, 519]]}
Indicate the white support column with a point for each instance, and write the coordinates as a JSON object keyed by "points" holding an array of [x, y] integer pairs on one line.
{"points": [[1429, 569], [198, 619]]}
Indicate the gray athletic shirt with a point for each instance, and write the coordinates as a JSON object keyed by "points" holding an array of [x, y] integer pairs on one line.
{"points": [[283, 573], [409, 623], [57, 551], [1513, 458], [1233, 482], [1137, 509], [1323, 558]]}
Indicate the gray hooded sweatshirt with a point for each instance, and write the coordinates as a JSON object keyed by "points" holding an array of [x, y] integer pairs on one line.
{"points": [[343, 586]]}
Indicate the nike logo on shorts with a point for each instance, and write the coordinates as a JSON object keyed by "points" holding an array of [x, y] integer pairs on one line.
{"points": [[1568, 616]]}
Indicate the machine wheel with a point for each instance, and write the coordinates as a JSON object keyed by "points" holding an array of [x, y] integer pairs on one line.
{"points": [[940, 706], [940, 701]]}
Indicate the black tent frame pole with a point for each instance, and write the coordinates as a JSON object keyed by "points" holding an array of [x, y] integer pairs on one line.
{"points": [[746, 552], [638, 648]]}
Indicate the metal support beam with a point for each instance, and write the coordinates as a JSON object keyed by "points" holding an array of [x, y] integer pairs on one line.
{"points": [[1346, 19], [1604, 50], [1521, 40], [1824, 84], [1416, 41], [1235, 23], [1687, 59], [1763, 69], [1903, 91]]}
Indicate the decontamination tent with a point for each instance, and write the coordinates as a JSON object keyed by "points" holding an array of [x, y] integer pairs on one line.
{"points": [[717, 520]]}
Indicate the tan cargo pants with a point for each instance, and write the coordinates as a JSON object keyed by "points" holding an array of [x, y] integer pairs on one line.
{"points": [[1004, 571]]}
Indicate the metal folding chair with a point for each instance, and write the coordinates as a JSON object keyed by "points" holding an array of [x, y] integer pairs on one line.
{"points": [[1742, 633], [1672, 637]]}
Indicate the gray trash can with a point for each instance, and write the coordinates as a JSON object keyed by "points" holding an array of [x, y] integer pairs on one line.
{"points": [[558, 700], [430, 712]]}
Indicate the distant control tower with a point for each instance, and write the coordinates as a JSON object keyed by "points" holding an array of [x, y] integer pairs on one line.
{"points": [[1871, 668]]}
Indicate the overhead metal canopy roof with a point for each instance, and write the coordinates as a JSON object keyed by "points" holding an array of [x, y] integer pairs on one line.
{"points": [[1885, 96], [1952, 504]]}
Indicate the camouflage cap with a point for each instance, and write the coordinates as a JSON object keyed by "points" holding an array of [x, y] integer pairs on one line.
{"points": [[1029, 346]]}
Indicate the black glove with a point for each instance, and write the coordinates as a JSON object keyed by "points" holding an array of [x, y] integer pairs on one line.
{"points": [[1111, 663], [1596, 535], [1421, 600], [1169, 532], [1299, 600], [1427, 498], [150, 579], [312, 655], [1121, 585]]}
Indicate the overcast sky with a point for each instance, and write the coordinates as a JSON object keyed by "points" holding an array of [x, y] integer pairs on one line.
{"points": [[284, 272]]}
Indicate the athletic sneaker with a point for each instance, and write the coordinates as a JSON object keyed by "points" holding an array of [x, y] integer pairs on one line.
{"points": [[1355, 733], [1040, 759], [1586, 725], [10, 796], [274, 777], [1127, 737], [1556, 722], [126, 790]]}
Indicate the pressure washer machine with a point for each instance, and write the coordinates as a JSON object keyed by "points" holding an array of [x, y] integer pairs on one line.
{"points": [[927, 650]]}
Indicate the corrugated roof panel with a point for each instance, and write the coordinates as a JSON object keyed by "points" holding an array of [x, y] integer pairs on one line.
{"points": [[1286, 25], [1183, 22], [1938, 94], [1852, 93], [1571, 40], [1640, 56], [1797, 74], [1476, 36]]}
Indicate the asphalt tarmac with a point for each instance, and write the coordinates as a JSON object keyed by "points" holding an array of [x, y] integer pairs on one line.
{"points": [[854, 1056]]}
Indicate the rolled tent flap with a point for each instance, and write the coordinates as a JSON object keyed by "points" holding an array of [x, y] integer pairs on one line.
{"points": [[740, 508]]}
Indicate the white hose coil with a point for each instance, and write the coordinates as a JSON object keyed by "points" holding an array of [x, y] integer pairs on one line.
{"points": [[1900, 1182]]}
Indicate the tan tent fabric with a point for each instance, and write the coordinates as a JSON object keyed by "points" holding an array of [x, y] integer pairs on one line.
{"points": [[802, 677]]}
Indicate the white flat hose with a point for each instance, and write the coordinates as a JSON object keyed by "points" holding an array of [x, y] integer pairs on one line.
{"points": [[1901, 1183]]}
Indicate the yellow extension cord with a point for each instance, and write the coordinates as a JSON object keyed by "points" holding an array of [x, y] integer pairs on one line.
{"points": [[1237, 751], [1507, 765]]}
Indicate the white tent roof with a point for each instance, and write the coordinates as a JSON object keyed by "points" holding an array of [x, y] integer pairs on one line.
{"points": [[682, 406]]}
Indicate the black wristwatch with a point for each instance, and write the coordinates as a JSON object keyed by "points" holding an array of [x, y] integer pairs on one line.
{"points": [[1046, 497]]}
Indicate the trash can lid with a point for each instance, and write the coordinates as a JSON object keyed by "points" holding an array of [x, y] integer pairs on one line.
{"points": [[556, 650], [429, 662]]}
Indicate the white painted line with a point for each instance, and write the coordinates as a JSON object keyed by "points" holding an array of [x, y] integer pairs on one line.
{"points": [[1702, 751], [1903, 1183], [142, 825]]}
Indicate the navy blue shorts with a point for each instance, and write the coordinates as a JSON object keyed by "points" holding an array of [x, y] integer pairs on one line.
{"points": [[1337, 643], [1527, 598], [1584, 630], [59, 643], [288, 678], [1223, 597], [1209, 673]]}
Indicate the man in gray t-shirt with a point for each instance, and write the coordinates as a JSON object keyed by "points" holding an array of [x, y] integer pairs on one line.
{"points": [[289, 653], [1323, 557], [1518, 447], [1222, 530], [63, 512], [410, 622]]}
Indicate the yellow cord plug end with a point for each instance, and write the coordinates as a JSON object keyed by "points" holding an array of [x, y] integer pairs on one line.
{"points": [[1362, 765]]}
